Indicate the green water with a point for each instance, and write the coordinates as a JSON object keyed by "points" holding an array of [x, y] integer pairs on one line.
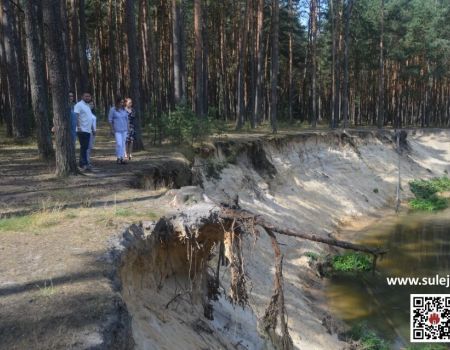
{"points": [[419, 246]]}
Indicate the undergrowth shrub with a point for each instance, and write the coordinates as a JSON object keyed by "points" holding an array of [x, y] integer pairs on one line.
{"points": [[351, 262], [183, 126], [426, 192]]}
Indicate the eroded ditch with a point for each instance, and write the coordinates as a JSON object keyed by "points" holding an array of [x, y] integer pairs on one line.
{"points": [[167, 270]]}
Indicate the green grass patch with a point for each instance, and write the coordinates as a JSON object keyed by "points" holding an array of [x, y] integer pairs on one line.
{"points": [[432, 203], [47, 290], [35, 221], [426, 192], [132, 213], [351, 262], [16, 223], [124, 212], [368, 339]]}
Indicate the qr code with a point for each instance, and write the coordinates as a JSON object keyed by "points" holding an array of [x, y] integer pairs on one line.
{"points": [[430, 318]]}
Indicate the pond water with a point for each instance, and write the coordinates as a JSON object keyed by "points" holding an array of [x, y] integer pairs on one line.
{"points": [[419, 246]]}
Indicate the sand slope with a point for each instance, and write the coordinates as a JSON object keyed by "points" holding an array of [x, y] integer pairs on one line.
{"points": [[309, 182]]}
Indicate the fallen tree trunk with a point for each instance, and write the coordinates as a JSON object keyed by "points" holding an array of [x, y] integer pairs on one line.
{"points": [[239, 214]]}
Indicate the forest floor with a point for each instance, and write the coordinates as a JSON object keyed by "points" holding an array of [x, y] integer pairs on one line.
{"points": [[54, 289]]}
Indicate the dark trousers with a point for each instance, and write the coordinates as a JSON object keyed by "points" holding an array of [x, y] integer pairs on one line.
{"points": [[83, 137]]}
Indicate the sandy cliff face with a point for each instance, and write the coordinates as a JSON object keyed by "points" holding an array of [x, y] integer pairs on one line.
{"points": [[308, 182]]}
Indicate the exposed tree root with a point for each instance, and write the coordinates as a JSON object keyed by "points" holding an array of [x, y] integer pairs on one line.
{"points": [[276, 308], [233, 252]]}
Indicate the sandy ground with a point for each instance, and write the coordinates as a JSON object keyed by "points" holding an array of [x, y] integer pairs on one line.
{"points": [[54, 287]]}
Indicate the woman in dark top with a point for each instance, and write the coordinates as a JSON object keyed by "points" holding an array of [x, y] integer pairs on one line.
{"points": [[131, 136]]}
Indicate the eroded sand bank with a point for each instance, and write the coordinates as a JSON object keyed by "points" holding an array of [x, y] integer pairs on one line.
{"points": [[309, 182]]}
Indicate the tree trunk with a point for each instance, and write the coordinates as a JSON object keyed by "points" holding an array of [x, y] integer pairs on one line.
{"points": [[141, 57], [205, 60], [38, 82], [313, 20], [242, 45], [67, 46], [337, 64], [133, 61], [290, 68], [84, 82], [333, 63], [56, 61], [380, 121], [5, 90], [345, 91], [223, 70], [112, 53], [16, 89], [259, 55], [182, 46], [274, 65], [179, 97], [199, 79], [74, 43]]}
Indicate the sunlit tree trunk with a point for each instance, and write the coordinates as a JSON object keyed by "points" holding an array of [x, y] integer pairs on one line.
{"points": [[274, 65], [56, 61], [177, 43]]}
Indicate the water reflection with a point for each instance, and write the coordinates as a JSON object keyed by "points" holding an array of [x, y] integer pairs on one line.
{"points": [[419, 246]]}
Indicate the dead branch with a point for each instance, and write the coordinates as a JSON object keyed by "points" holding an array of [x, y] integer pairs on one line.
{"points": [[234, 214]]}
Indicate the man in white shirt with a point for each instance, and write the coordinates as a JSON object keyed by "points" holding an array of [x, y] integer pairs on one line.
{"points": [[84, 127]]}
